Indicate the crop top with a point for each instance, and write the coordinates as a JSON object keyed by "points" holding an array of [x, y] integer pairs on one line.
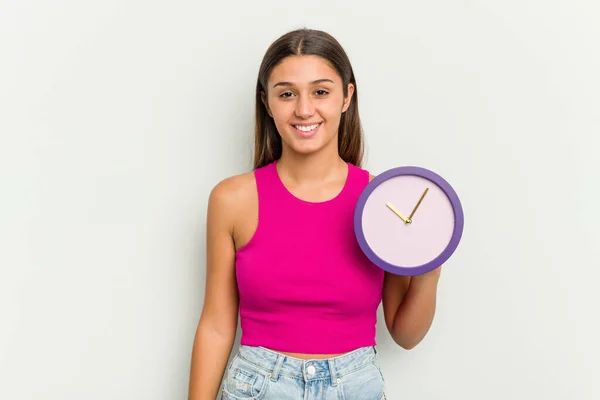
{"points": [[304, 284]]}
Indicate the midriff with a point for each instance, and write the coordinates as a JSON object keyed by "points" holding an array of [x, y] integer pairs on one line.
{"points": [[304, 356]]}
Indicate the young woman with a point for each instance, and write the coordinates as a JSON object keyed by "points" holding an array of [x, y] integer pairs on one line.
{"points": [[281, 249]]}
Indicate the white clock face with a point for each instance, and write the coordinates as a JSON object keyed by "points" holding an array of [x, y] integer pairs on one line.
{"points": [[408, 244]]}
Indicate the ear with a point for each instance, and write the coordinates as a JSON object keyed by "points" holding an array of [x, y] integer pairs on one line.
{"points": [[348, 98], [263, 97]]}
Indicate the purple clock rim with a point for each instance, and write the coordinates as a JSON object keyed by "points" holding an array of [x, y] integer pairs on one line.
{"points": [[456, 233]]}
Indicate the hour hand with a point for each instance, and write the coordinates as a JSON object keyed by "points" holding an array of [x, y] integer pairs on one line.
{"points": [[398, 213]]}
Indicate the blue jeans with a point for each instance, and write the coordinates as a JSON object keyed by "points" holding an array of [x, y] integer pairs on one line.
{"points": [[256, 373]]}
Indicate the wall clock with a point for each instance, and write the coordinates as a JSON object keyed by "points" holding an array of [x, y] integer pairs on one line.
{"points": [[408, 220]]}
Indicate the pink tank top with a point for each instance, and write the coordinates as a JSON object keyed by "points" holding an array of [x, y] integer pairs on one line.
{"points": [[304, 284]]}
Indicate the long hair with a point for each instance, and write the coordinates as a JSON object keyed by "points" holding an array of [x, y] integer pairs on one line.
{"points": [[267, 141]]}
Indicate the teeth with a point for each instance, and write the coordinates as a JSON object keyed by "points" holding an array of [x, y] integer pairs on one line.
{"points": [[306, 128]]}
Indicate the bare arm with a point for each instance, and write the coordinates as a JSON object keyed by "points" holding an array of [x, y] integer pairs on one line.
{"points": [[218, 322], [409, 306]]}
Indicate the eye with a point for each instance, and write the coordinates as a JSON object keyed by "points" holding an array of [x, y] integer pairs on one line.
{"points": [[321, 92], [285, 95]]}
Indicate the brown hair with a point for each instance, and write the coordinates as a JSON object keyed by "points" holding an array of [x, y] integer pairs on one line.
{"points": [[267, 141]]}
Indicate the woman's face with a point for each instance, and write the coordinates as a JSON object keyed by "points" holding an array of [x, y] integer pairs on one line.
{"points": [[305, 98]]}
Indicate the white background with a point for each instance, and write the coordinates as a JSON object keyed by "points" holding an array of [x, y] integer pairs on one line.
{"points": [[107, 109]]}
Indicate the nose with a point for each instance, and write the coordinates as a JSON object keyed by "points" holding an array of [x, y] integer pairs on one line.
{"points": [[305, 107]]}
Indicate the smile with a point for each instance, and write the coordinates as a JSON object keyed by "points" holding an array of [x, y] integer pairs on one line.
{"points": [[307, 130]]}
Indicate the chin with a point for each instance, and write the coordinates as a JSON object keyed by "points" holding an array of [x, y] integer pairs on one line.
{"points": [[306, 149]]}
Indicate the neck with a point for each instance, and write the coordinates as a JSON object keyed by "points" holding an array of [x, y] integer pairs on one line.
{"points": [[320, 166]]}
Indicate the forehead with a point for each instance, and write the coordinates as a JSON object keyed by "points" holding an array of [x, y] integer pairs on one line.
{"points": [[302, 70]]}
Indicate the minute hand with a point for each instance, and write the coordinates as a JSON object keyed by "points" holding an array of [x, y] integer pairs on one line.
{"points": [[419, 203]]}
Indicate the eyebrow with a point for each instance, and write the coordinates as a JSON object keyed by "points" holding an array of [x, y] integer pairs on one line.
{"points": [[312, 83]]}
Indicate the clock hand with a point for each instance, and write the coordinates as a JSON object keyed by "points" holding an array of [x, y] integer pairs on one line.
{"points": [[419, 203], [398, 213]]}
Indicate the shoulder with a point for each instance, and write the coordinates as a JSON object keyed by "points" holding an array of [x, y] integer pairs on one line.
{"points": [[228, 190], [363, 171], [230, 194], [233, 185]]}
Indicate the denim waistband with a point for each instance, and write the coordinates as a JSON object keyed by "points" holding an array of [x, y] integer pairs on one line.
{"points": [[276, 364]]}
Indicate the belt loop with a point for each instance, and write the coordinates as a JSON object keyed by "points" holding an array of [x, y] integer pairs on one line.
{"points": [[332, 372], [277, 368]]}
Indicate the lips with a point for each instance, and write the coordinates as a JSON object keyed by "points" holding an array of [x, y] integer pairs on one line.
{"points": [[307, 130]]}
